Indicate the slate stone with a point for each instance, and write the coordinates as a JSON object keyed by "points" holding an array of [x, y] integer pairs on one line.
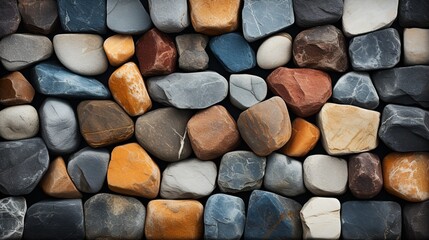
{"points": [[403, 85], [241, 171], [54, 80], [114, 217], [365, 175], [415, 220], [197, 90], [88, 168], [127, 17], [224, 217], [15, 89], [246, 90], [82, 16], [22, 165], [233, 52], [39, 16], [59, 127], [12, 213], [370, 220], [272, 216], [192, 53], [9, 17], [19, 122], [405, 129], [413, 13], [257, 25], [168, 17], [376, 50], [356, 88], [317, 13], [55, 219]]}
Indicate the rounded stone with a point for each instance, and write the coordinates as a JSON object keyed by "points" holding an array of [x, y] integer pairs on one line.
{"points": [[192, 51], [169, 17], [275, 52], [304, 138], [127, 17], [119, 49], [365, 175], [246, 90], [19, 122]]}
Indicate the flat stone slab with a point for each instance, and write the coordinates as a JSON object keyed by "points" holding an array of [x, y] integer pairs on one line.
{"points": [[12, 213], [127, 17]]}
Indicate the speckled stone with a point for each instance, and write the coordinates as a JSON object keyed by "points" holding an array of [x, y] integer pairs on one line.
{"points": [[127, 17], [82, 16], [12, 213]]}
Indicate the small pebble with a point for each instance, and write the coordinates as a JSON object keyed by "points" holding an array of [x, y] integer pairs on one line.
{"points": [[82, 16], [192, 53], [169, 17], [119, 49], [127, 17], [246, 90], [275, 52], [12, 213], [19, 122]]}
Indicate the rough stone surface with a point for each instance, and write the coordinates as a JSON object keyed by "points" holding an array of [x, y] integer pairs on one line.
{"points": [[304, 138], [12, 213], [39, 16], [413, 13], [15, 89], [415, 220], [82, 16], [168, 17], [365, 175], [416, 46], [162, 132], [19, 122], [9, 17], [317, 13], [119, 49], [275, 52], [304, 90], [192, 53], [127, 17], [246, 90]]}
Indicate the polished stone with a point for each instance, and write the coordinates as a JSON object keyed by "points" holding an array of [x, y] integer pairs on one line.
{"points": [[127, 17], [19, 122]]}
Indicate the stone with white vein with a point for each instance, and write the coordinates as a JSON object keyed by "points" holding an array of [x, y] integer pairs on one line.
{"points": [[12, 213], [246, 90]]}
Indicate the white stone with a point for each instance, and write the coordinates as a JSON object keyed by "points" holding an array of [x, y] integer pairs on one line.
{"points": [[246, 90], [81, 53], [274, 52], [363, 16], [416, 46], [191, 178], [320, 218], [325, 175], [19, 122]]}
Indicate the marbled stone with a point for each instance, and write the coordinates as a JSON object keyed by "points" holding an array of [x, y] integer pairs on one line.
{"points": [[162, 132], [196, 90], [317, 13], [275, 52], [283, 175], [246, 90], [224, 217], [55, 219], [127, 17], [190, 178], [415, 219], [39, 16], [404, 129], [110, 216], [9, 17], [263, 18], [416, 46], [88, 168], [15, 89], [376, 50], [304, 138], [20, 50], [119, 49], [82, 16], [19, 122], [272, 216], [365, 175], [169, 17], [192, 53], [12, 213], [233, 52], [413, 13], [23, 163]]}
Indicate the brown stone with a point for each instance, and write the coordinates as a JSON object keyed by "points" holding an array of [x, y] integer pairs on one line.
{"points": [[15, 90], [214, 17], [103, 122], [156, 53], [174, 219], [213, 132], [128, 89], [133, 172], [304, 90], [57, 183], [9, 17], [365, 176], [39, 16], [406, 175], [265, 126], [119, 49], [304, 138]]}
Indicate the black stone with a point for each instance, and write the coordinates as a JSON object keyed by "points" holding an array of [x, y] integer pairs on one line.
{"points": [[83, 15], [12, 213], [309, 13], [9, 17], [416, 220], [414, 13]]}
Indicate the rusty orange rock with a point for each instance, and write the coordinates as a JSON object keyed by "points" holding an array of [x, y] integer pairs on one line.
{"points": [[119, 49], [15, 90], [303, 139]]}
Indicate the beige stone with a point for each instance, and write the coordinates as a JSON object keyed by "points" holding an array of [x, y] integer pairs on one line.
{"points": [[416, 46]]}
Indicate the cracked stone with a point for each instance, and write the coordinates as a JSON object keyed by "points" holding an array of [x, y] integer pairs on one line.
{"points": [[246, 90], [127, 17], [12, 213]]}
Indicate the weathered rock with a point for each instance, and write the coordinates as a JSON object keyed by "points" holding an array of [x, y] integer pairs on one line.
{"points": [[169, 17], [192, 53], [119, 49], [39, 16], [19, 122], [304, 90], [162, 132], [9, 17], [190, 178], [82, 16], [317, 13], [416, 46], [413, 13], [103, 122], [246, 90], [12, 213], [365, 176], [415, 220], [275, 52], [23, 164], [304, 138], [15, 89], [375, 50], [127, 17], [196, 90]]}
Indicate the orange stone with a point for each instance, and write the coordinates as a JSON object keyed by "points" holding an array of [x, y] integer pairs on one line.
{"points": [[119, 49], [406, 175], [133, 172], [304, 137], [214, 17], [174, 219], [15, 90], [57, 183], [129, 90]]}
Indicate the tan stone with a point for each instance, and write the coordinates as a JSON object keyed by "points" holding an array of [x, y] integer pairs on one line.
{"points": [[15, 89], [304, 138], [416, 46], [119, 49]]}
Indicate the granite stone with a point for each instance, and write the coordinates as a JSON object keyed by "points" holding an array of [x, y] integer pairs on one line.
{"points": [[9, 17], [246, 90], [82, 16], [275, 51], [19, 122], [413, 13], [192, 53], [168, 17], [365, 175], [415, 219], [12, 213], [39, 16], [317, 12], [15, 89], [127, 17]]}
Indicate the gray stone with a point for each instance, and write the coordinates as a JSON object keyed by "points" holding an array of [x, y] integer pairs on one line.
{"points": [[9, 17], [375, 50], [88, 168], [169, 17], [82, 15], [192, 53], [19, 122], [241, 171], [414, 13], [127, 17], [59, 127], [356, 88], [283, 175], [416, 220], [39, 16], [12, 213], [262, 18], [20, 50], [246, 90], [197, 90], [310, 13]]}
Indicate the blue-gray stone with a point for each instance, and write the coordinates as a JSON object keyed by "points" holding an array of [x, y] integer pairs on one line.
{"points": [[405, 129], [233, 52], [196, 90], [310, 13], [404, 85], [262, 18], [127, 17], [54, 80], [224, 217], [168, 17], [82, 15], [416, 220], [271, 216], [241, 171], [22, 165], [370, 220], [55, 219], [246, 90], [88, 168], [414, 13], [356, 88], [12, 213], [376, 50]]}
